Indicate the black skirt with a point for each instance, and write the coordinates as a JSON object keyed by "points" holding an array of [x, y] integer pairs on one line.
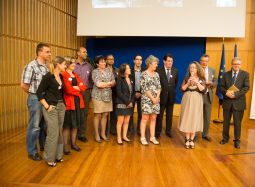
{"points": [[124, 111], [74, 118]]}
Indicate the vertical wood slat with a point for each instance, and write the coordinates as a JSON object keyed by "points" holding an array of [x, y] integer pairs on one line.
{"points": [[23, 24]]}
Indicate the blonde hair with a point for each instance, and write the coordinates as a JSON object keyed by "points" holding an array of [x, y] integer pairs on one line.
{"points": [[53, 64], [150, 60]]}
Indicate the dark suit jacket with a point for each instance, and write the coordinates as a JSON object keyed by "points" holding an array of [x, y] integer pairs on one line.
{"points": [[242, 83], [212, 78], [123, 92], [168, 89]]}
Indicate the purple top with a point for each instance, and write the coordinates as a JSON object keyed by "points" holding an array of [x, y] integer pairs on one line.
{"points": [[85, 73]]}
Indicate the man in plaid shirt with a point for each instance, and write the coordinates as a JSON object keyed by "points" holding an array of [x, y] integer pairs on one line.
{"points": [[31, 78]]}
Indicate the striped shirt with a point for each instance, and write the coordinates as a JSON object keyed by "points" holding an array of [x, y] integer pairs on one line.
{"points": [[32, 75], [84, 71]]}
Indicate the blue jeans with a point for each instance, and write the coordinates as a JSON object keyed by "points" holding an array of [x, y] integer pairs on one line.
{"points": [[35, 115]]}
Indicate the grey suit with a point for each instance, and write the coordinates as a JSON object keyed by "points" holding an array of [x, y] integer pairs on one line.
{"points": [[234, 106], [207, 101]]}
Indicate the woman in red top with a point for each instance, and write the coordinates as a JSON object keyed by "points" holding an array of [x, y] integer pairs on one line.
{"points": [[74, 116]]}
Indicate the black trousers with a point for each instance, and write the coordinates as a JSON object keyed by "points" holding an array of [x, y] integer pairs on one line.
{"points": [[42, 133], [83, 127], [169, 118], [131, 121], [237, 116], [113, 120], [207, 108]]}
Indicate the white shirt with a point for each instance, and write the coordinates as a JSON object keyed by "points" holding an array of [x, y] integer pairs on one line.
{"points": [[206, 74], [234, 72], [166, 69]]}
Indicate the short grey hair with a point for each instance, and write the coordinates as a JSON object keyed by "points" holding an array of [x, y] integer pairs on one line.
{"points": [[151, 59], [235, 59]]}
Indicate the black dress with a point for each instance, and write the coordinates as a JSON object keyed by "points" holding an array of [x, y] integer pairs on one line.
{"points": [[74, 118], [122, 109]]}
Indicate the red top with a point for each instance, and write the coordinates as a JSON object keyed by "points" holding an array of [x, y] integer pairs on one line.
{"points": [[70, 92]]}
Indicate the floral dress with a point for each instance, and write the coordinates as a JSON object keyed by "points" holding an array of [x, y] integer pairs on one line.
{"points": [[152, 84]]}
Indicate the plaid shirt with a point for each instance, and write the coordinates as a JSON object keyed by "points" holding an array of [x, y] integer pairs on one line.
{"points": [[33, 74]]}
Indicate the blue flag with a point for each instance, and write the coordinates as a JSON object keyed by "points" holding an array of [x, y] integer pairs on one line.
{"points": [[235, 51], [221, 72]]}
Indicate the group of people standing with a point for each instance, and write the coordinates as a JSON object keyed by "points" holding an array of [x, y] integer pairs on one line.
{"points": [[58, 94], [60, 91]]}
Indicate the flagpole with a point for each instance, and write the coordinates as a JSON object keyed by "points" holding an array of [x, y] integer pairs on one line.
{"points": [[219, 120]]}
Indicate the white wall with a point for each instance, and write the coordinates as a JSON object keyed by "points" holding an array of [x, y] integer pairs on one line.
{"points": [[197, 18]]}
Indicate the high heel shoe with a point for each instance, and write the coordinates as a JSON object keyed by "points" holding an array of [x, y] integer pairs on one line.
{"points": [[105, 139], [154, 140], [143, 141], [187, 143], [66, 151], [119, 143], [126, 140], [98, 140], [192, 144], [76, 148]]}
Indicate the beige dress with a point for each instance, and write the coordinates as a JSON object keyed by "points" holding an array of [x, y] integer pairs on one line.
{"points": [[191, 116]]}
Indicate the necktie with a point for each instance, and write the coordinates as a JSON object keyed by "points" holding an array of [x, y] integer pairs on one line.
{"points": [[234, 78], [168, 74]]}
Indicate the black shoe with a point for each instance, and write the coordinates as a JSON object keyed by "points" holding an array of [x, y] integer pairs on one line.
{"points": [[66, 152], [120, 143], [60, 160], [222, 142], [35, 157], [237, 144], [76, 148], [169, 134], [83, 139], [157, 135], [207, 138]]}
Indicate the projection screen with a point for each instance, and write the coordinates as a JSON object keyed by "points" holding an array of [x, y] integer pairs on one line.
{"points": [[184, 18]]}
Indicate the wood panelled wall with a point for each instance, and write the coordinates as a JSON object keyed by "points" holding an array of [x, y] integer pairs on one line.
{"points": [[25, 23], [246, 51]]}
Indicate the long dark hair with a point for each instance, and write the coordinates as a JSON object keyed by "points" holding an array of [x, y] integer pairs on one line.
{"points": [[122, 69]]}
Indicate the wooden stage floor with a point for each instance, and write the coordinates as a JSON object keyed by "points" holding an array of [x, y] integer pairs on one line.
{"points": [[108, 164]]}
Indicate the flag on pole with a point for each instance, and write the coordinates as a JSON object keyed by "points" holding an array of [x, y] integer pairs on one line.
{"points": [[235, 51], [221, 72]]}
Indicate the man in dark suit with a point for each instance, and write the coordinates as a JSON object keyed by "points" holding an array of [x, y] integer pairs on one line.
{"points": [[234, 101], [135, 77], [211, 82], [168, 80]]}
